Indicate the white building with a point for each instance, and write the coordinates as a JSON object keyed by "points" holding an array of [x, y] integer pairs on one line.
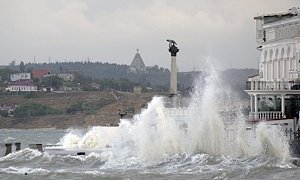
{"points": [[66, 77], [21, 86], [20, 76], [275, 91]]}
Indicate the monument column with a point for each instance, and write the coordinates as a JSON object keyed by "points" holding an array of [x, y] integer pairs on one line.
{"points": [[173, 79]]}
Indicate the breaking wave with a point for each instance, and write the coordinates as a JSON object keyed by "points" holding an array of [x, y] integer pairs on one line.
{"points": [[156, 133]]}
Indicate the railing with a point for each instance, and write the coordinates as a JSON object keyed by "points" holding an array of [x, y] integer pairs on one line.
{"points": [[265, 115], [272, 85], [178, 111]]}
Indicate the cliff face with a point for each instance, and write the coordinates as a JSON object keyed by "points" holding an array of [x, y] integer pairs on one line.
{"points": [[95, 108]]}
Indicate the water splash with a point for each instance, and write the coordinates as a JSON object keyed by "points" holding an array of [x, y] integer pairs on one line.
{"points": [[154, 134]]}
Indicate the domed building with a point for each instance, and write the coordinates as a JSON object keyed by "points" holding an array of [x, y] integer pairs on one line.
{"points": [[137, 65]]}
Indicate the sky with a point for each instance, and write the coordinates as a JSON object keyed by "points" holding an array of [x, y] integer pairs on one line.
{"points": [[222, 31]]}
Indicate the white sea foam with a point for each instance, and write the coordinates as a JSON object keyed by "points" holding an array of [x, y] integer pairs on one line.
{"points": [[153, 134], [23, 170]]}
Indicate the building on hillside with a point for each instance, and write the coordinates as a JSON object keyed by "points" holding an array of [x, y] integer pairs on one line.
{"points": [[66, 76], [275, 91], [137, 64], [21, 86], [137, 89], [40, 73], [20, 76]]}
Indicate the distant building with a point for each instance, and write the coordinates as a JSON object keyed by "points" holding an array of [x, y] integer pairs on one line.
{"points": [[22, 86], [137, 89], [40, 73], [66, 76], [20, 76], [137, 64]]}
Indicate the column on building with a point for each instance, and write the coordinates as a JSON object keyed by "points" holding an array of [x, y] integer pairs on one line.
{"points": [[251, 103], [283, 105], [283, 69], [255, 106], [272, 70], [278, 69], [266, 70]]}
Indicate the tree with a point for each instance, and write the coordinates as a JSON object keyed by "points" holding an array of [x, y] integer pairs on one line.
{"points": [[22, 67], [52, 81]]}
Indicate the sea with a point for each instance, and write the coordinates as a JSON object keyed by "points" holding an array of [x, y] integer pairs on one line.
{"points": [[156, 144]]}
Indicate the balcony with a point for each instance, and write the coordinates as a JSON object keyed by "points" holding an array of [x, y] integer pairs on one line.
{"points": [[272, 85], [265, 115]]}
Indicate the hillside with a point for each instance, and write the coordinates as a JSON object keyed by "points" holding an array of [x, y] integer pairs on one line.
{"points": [[103, 109]]}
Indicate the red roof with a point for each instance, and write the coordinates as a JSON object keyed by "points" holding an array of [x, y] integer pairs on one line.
{"points": [[39, 73]]}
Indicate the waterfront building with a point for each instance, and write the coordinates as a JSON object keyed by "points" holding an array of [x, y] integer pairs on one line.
{"points": [[275, 91]]}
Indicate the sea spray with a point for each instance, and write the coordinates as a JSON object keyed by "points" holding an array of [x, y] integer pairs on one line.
{"points": [[94, 138], [154, 133], [205, 127]]}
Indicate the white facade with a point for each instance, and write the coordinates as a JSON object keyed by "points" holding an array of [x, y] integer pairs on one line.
{"points": [[275, 91], [280, 50], [66, 77], [20, 76], [21, 88]]}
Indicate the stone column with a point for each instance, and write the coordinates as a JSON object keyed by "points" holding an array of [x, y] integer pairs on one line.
{"points": [[278, 69], [255, 105], [282, 105], [252, 84], [266, 71], [283, 68], [251, 103], [173, 79]]}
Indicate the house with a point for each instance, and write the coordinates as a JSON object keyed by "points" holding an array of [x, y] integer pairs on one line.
{"points": [[21, 86], [137, 89], [20, 76], [66, 76], [275, 91], [40, 73]]}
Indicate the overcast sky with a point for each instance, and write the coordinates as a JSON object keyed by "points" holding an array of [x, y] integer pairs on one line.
{"points": [[111, 30]]}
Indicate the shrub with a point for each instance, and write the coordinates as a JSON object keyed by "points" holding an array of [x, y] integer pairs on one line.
{"points": [[35, 110], [79, 106]]}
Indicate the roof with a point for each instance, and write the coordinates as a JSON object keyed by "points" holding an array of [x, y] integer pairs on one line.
{"points": [[22, 83], [274, 14], [39, 73]]}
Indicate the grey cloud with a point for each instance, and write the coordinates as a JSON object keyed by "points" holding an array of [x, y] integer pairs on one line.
{"points": [[111, 30]]}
